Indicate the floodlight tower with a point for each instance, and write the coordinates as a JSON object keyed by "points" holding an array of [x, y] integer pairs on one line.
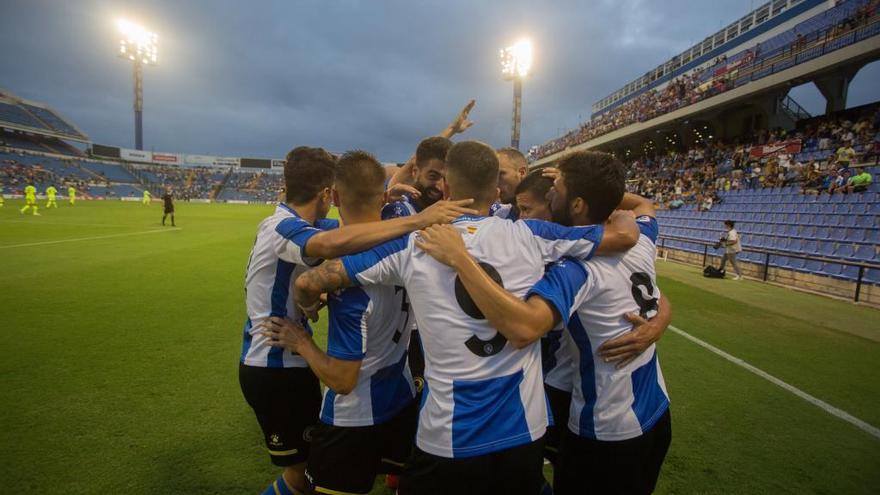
{"points": [[140, 46], [516, 61]]}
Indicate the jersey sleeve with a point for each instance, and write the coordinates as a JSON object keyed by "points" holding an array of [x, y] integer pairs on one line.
{"points": [[648, 227], [565, 286], [555, 241], [347, 329], [394, 210], [327, 224], [381, 265], [296, 232]]}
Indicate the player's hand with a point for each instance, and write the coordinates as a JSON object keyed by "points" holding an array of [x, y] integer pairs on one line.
{"points": [[443, 243], [551, 173], [286, 333], [444, 212], [396, 192], [625, 348], [461, 122]]}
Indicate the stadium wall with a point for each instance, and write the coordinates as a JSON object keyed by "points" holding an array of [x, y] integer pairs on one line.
{"points": [[805, 282]]}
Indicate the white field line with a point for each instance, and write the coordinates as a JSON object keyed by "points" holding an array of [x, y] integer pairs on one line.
{"points": [[89, 238], [849, 418]]}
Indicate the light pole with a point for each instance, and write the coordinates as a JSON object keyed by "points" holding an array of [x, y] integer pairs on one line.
{"points": [[516, 61], [140, 46]]}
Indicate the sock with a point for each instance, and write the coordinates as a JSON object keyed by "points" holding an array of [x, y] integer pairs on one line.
{"points": [[35, 209], [163, 219], [23, 209], [279, 487], [172, 221], [546, 489]]}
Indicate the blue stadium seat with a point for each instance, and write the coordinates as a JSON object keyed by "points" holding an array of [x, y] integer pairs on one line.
{"points": [[826, 249], [844, 251], [864, 253], [822, 233]]}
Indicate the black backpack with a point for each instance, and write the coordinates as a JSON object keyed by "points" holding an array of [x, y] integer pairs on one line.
{"points": [[712, 272]]}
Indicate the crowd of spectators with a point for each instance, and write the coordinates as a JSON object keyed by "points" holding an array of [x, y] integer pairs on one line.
{"points": [[14, 176], [185, 183], [690, 88], [259, 186], [829, 149]]}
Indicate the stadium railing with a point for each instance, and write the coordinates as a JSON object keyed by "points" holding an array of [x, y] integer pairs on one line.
{"points": [[768, 256]]}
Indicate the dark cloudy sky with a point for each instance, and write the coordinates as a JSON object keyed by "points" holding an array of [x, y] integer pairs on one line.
{"points": [[255, 78]]}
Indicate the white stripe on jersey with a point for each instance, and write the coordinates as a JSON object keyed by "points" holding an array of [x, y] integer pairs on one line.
{"points": [[275, 262], [481, 395], [371, 325], [609, 404]]}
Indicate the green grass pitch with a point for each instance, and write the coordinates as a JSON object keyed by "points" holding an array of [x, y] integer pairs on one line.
{"points": [[120, 343]]}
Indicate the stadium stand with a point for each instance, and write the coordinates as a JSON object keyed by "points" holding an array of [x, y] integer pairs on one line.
{"points": [[252, 186], [17, 115], [51, 120], [833, 29]]}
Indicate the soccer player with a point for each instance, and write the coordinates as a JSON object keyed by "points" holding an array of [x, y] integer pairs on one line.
{"points": [[71, 195], [50, 195], [483, 411], [169, 207], [368, 416], [147, 199], [513, 167], [429, 171], [530, 196], [619, 424], [277, 384], [30, 199]]}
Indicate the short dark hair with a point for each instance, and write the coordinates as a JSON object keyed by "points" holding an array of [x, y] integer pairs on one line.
{"points": [[729, 222], [472, 170], [360, 174], [515, 155], [432, 148], [306, 172], [597, 178], [536, 184]]}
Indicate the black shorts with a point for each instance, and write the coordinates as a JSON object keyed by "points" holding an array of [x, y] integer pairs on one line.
{"points": [[625, 467], [517, 470], [169, 211], [287, 402], [347, 459], [560, 402]]}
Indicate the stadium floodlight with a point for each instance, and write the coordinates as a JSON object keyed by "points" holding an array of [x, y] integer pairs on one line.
{"points": [[140, 46], [516, 62]]}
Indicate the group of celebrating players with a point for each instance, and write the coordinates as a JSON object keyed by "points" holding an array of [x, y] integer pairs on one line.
{"points": [[471, 306]]}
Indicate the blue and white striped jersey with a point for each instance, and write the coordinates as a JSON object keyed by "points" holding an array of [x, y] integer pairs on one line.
{"points": [[403, 208], [592, 296], [481, 395], [369, 324], [556, 359], [276, 260], [504, 210]]}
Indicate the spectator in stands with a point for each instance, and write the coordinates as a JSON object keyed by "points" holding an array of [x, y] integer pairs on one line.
{"points": [[730, 240], [859, 183], [845, 154], [840, 181]]}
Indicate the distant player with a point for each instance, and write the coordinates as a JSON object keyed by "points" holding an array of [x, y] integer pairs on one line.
{"points": [[71, 195], [368, 416], [483, 412], [50, 195], [147, 199], [283, 392], [169, 207], [30, 199]]}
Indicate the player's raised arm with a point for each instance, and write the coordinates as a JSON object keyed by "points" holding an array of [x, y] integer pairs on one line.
{"points": [[638, 205], [521, 322], [460, 124], [341, 375], [356, 238]]}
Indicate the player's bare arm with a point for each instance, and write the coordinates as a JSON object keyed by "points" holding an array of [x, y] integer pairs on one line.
{"points": [[461, 123], [328, 277], [521, 322], [338, 374], [638, 205], [625, 348], [354, 238], [620, 234]]}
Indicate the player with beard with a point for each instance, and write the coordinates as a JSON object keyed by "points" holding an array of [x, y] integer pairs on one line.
{"points": [[619, 426], [512, 169]]}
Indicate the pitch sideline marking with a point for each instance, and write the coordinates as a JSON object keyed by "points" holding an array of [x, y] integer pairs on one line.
{"points": [[90, 238], [840, 413]]}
